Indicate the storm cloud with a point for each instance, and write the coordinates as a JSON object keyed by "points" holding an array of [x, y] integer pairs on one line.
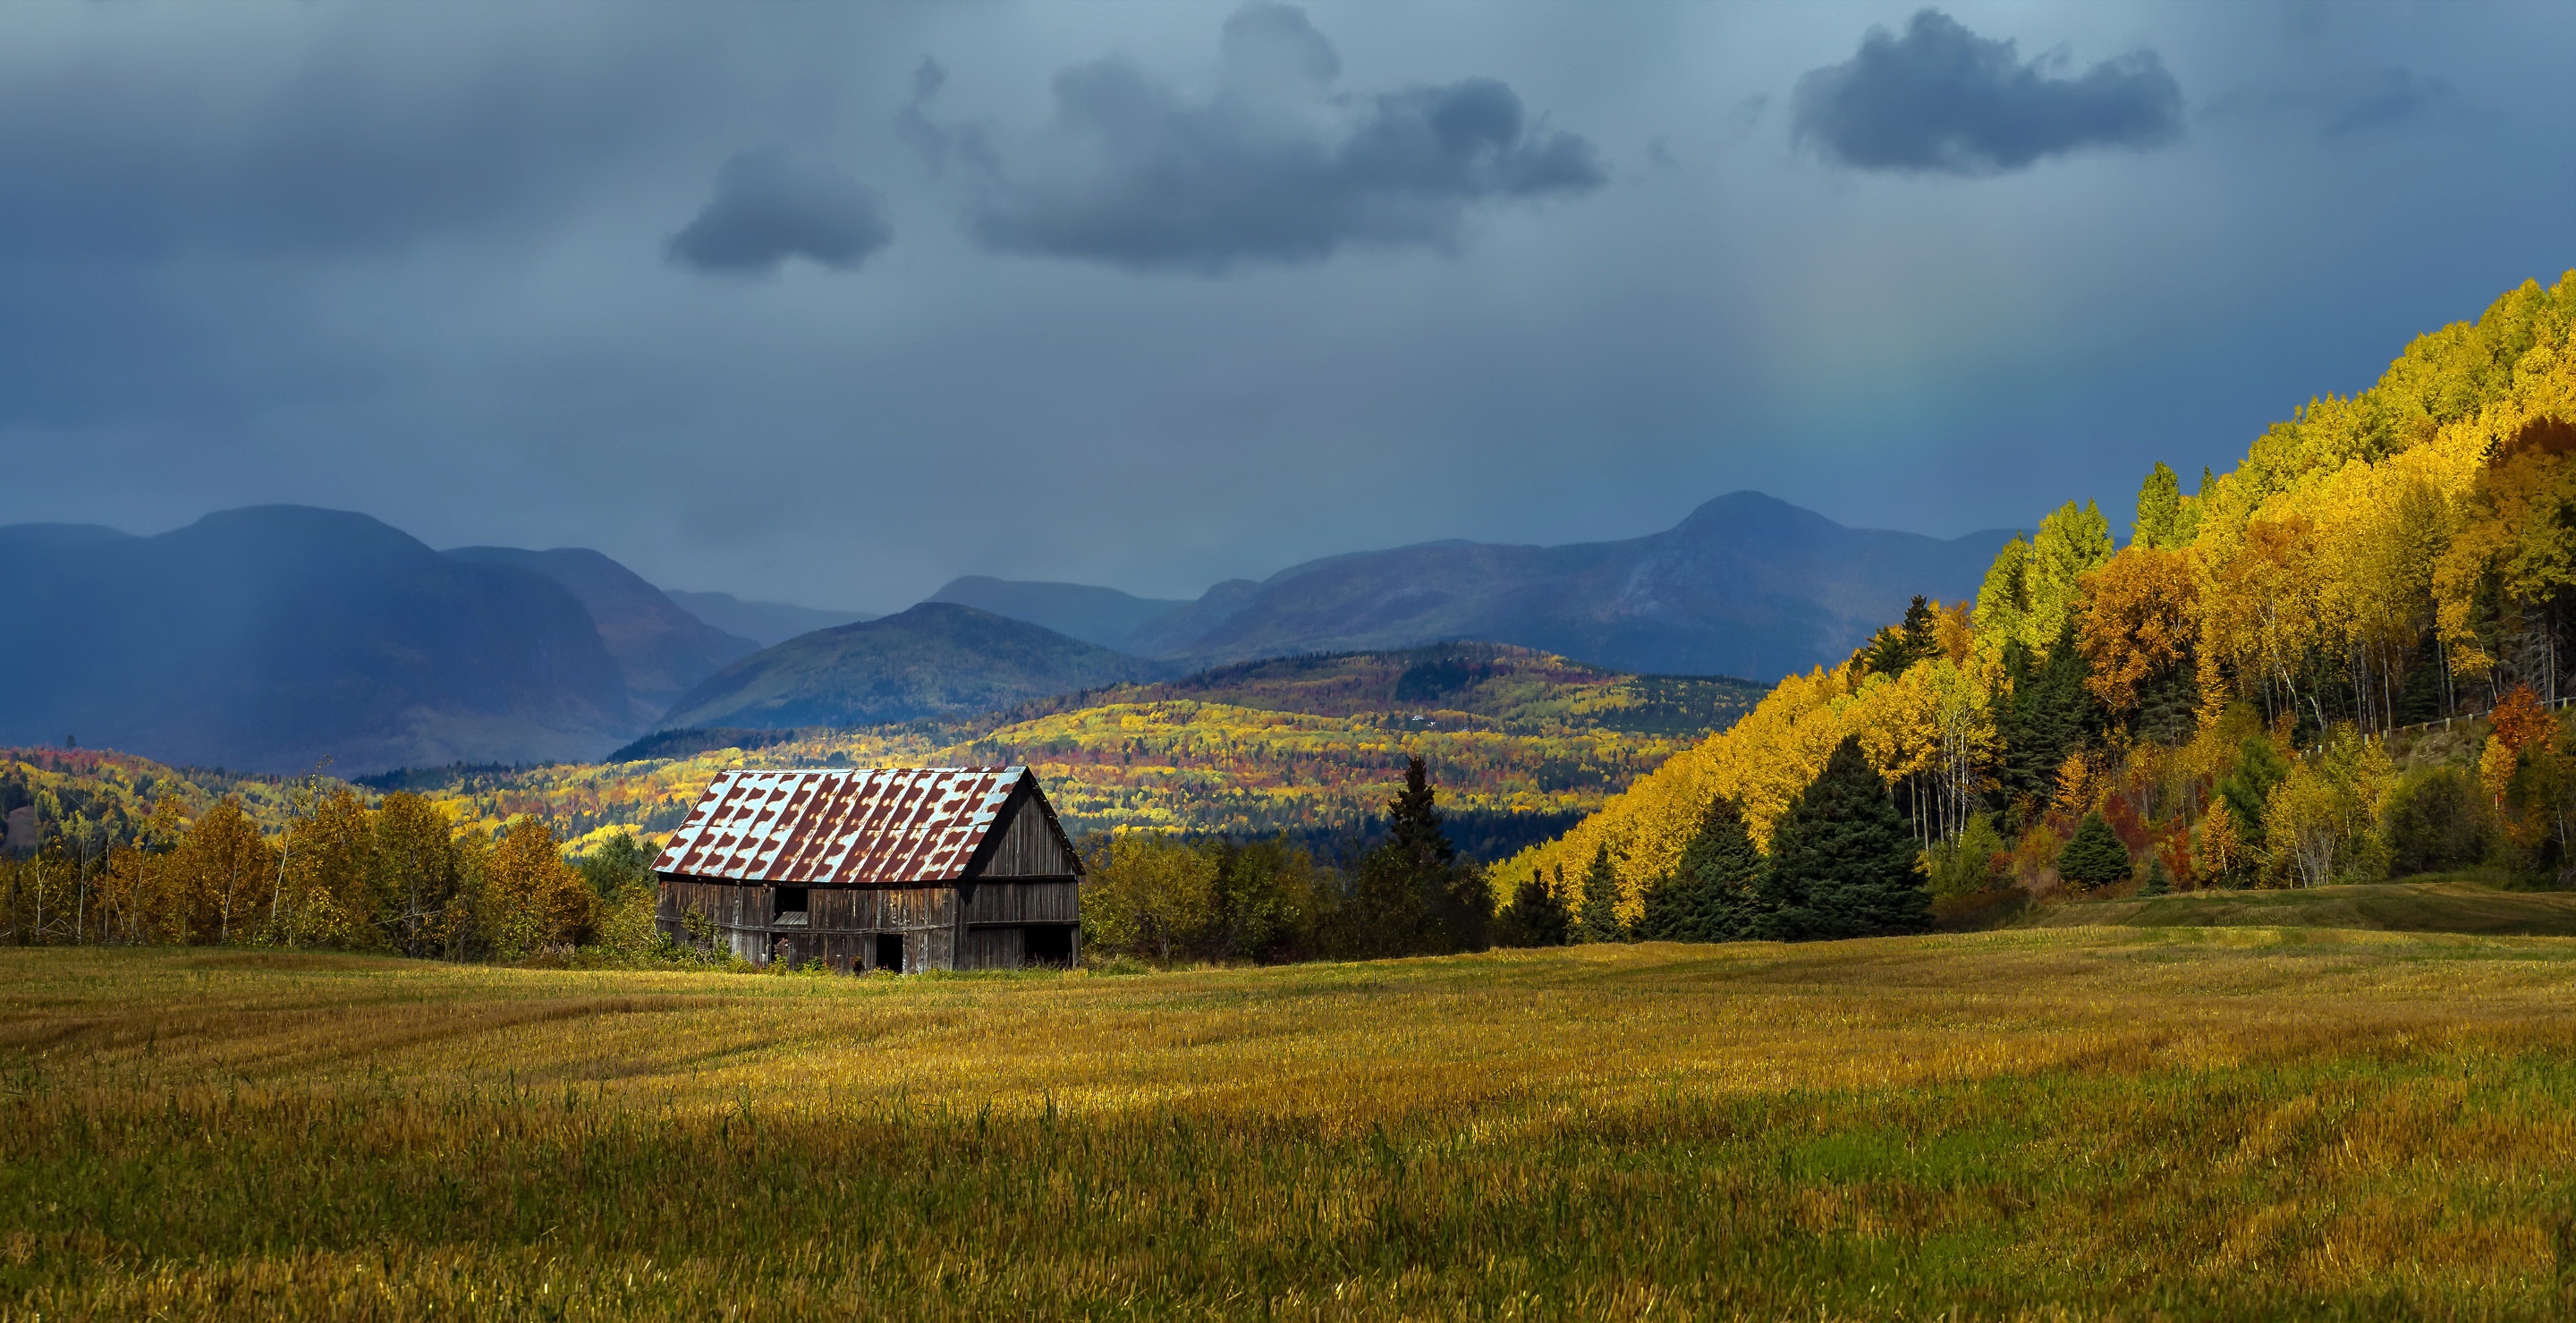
{"points": [[1942, 99], [419, 261], [1274, 166], [768, 208], [2387, 98]]}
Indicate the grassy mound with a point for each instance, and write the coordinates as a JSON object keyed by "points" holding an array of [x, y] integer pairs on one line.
{"points": [[2449, 905]]}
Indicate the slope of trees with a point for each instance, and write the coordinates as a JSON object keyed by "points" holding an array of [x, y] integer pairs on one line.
{"points": [[2234, 691]]}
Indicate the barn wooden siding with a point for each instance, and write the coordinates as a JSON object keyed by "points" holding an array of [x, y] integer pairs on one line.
{"points": [[1024, 902], [1028, 845], [842, 922], [841, 928]]}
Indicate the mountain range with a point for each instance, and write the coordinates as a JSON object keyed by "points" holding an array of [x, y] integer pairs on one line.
{"points": [[271, 638], [1747, 585]]}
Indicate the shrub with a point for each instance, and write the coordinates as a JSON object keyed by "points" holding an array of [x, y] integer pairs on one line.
{"points": [[2434, 821], [2094, 857], [1966, 865]]}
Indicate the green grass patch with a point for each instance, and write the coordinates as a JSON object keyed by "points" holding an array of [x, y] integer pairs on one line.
{"points": [[2438, 905]]}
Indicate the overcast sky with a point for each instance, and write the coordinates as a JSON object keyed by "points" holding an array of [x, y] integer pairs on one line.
{"points": [[830, 303]]}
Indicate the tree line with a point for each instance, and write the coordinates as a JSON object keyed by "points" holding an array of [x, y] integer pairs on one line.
{"points": [[1841, 863], [399, 877]]}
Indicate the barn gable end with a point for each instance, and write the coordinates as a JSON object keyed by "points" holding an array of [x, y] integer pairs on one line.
{"points": [[1027, 841]]}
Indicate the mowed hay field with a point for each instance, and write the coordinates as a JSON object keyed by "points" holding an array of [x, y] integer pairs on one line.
{"points": [[2236, 1123]]}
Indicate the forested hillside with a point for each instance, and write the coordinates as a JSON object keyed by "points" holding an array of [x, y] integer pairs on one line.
{"points": [[2238, 696], [1524, 743]]}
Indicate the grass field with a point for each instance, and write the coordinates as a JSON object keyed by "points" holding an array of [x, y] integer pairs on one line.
{"points": [[2211, 1122], [2449, 905]]}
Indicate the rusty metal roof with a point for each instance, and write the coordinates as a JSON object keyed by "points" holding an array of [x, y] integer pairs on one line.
{"points": [[845, 826]]}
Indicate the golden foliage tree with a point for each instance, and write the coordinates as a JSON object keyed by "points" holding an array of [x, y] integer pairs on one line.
{"points": [[531, 900], [2137, 622], [222, 872]]}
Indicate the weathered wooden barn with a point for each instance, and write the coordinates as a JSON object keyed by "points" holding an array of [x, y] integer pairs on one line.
{"points": [[899, 869]]}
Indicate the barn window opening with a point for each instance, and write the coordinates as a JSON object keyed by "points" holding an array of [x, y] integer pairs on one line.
{"points": [[1050, 945], [789, 907], [890, 952]]}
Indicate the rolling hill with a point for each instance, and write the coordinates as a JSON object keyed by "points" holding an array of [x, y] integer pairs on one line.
{"points": [[1104, 616], [937, 659], [1520, 743], [2429, 904]]}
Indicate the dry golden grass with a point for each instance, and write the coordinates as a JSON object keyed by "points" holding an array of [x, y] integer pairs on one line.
{"points": [[2066, 1123]]}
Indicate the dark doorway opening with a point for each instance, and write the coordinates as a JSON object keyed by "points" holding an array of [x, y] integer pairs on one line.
{"points": [[1050, 945], [890, 952], [788, 905]]}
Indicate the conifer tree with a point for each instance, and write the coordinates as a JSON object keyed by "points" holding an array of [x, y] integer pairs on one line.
{"points": [[1536, 917], [1898, 646], [1842, 859], [2094, 857], [1709, 896], [1414, 895], [1663, 919], [2159, 879], [2049, 714], [1598, 916]]}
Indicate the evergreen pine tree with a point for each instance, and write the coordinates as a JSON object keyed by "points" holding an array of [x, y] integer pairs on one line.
{"points": [[2048, 716], [1536, 917], [1710, 895], [1842, 859], [1414, 895], [1899, 646], [2159, 880], [1598, 916], [1413, 822], [2095, 857], [1666, 918]]}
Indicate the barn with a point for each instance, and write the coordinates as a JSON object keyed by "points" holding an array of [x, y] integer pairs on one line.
{"points": [[891, 868]]}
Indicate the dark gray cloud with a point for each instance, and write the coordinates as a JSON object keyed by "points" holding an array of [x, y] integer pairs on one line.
{"points": [[769, 207], [2387, 98], [1274, 166], [1941, 98], [355, 145]]}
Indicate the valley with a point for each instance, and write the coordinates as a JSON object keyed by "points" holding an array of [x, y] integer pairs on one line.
{"points": [[1524, 743]]}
